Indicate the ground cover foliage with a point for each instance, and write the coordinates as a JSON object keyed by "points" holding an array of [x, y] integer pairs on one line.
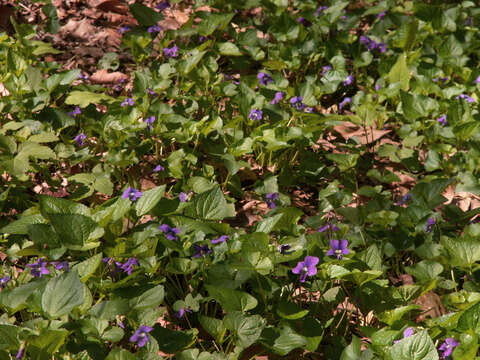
{"points": [[286, 179]]}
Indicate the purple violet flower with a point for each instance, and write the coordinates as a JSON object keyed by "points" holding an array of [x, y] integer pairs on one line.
{"points": [[158, 168], [128, 265], [127, 101], [404, 199], [113, 266], [171, 52], [123, 29], [338, 248], [151, 92], [170, 233], [278, 97], [297, 103], [408, 332], [201, 39], [61, 265], [149, 121], [320, 10], [120, 323], [75, 112], [271, 198], [381, 15], [304, 22], [325, 69], [80, 139], [201, 250], [447, 347], [163, 5], [38, 268], [154, 29], [344, 102], [283, 248], [430, 223], [329, 228], [3, 281], [182, 311], [221, 239], [131, 193], [306, 267], [83, 77], [20, 352], [466, 97], [140, 336], [442, 120], [264, 78], [477, 80], [256, 114], [349, 80], [183, 197]]}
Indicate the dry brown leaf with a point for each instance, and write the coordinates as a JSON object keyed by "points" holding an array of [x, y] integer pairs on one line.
{"points": [[366, 136], [5, 12], [113, 6], [431, 304], [104, 77], [81, 29]]}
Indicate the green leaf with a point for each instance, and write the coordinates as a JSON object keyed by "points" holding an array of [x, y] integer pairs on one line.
{"points": [[171, 341], [290, 311], [352, 351], [416, 347], [210, 205], [425, 271], [344, 161], [390, 316], [43, 138], [62, 294], [77, 232], [48, 342], [247, 329], [191, 61], [228, 49], [50, 11], [232, 300], [50, 205], [9, 337], [149, 199], [86, 268], [467, 350], [85, 98], [120, 354], [399, 72], [282, 339], [470, 319], [214, 327], [416, 106], [21, 226], [35, 150], [17, 298], [149, 299], [213, 22], [108, 310], [463, 252], [145, 16]]}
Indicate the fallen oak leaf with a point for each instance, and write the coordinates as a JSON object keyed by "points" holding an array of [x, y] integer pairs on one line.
{"points": [[104, 77]]}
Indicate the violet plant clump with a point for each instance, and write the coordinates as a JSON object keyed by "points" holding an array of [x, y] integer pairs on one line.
{"points": [[362, 115]]}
